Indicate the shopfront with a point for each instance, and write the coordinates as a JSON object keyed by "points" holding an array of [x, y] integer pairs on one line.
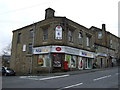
{"points": [[86, 59], [102, 60], [55, 57]]}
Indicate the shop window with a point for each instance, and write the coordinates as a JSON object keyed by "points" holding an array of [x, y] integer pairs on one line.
{"points": [[43, 61], [71, 61], [57, 60], [80, 37], [19, 38], [45, 34], [68, 58], [70, 36]]}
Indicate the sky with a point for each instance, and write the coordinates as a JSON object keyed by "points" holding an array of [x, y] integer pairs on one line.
{"points": [[15, 14]]}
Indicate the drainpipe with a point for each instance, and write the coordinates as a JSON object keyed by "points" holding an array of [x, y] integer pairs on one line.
{"points": [[31, 68], [50, 60]]}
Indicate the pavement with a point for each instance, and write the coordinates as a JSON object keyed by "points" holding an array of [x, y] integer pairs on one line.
{"points": [[72, 72]]}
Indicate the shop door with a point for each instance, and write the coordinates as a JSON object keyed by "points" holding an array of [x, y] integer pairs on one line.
{"points": [[101, 60], [57, 60], [80, 63], [86, 63], [89, 63]]}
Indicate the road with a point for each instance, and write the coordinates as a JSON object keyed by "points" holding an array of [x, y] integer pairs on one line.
{"points": [[99, 79]]}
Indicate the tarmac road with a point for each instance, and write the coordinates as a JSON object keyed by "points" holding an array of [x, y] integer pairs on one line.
{"points": [[107, 78]]}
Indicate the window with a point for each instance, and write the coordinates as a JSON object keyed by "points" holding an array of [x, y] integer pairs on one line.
{"points": [[80, 37], [45, 34], [31, 33], [19, 38], [88, 41], [110, 43], [57, 60], [99, 35], [30, 49], [71, 61], [58, 32], [43, 61], [70, 35]]}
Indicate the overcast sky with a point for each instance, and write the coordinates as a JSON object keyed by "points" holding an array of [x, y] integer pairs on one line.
{"points": [[15, 14]]}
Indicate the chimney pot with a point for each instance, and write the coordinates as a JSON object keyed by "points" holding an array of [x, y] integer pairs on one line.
{"points": [[49, 13], [103, 27]]}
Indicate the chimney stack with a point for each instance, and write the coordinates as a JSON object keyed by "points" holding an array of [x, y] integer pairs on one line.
{"points": [[103, 27], [49, 13]]}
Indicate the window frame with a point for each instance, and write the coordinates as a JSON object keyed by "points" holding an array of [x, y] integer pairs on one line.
{"points": [[31, 33], [30, 48], [70, 35], [19, 38], [88, 41], [45, 34], [80, 38]]}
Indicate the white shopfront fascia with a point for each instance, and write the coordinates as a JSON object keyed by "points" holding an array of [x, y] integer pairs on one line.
{"points": [[63, 49]]}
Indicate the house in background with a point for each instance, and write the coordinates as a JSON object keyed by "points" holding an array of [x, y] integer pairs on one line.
{"points": [[106, 47]]}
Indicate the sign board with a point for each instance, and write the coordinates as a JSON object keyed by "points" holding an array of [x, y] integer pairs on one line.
{"points": [[70, 50], [62, 49], [41, 50], [24, 48], [101, 54], [58, 49], [58, 32], [86, 54]]}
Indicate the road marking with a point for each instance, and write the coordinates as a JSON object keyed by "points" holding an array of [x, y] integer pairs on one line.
{"points": [[73, 85], [117, 73], [27, 76], [33, 77], [101, 78], [54, 77]]}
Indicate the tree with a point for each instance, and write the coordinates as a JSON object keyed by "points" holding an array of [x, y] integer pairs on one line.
{"points": [[7, 50], [6, 53]]}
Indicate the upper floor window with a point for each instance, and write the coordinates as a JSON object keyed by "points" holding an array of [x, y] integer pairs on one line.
{"points": [[88, 41], [110, 43], [30, 48], [31, 33], [100, 35], [19, 38], [58, 32], [45, 34], [70, 35], [80, 37]]}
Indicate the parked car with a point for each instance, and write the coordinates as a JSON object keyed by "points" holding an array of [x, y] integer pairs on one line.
{"points": [[7, 71]]}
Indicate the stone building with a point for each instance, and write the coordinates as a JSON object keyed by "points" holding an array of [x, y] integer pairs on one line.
{"points": [[47, 45], [106, 47]]}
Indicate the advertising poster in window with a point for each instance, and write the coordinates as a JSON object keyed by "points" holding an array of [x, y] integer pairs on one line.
{"points": [[56, 60], [58, 32], [68, 58], [80, 63], [73, 61], [42, 60]]}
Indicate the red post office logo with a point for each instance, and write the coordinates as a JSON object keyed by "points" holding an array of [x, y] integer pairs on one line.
{"points": [[58, 48]]}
